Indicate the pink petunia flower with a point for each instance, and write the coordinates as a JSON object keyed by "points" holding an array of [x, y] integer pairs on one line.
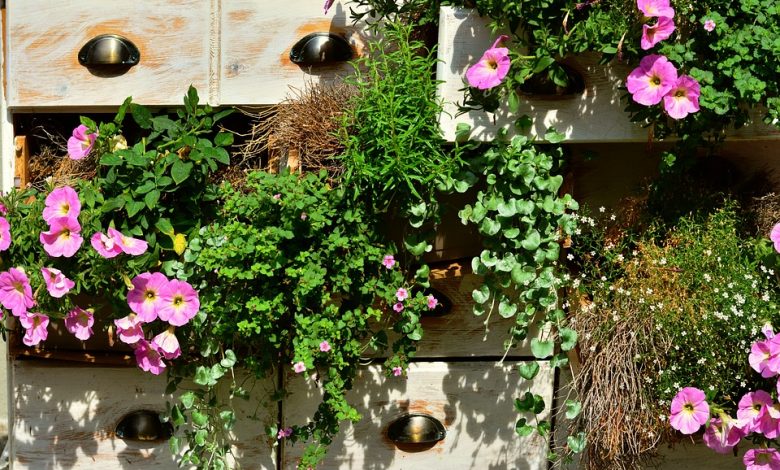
{"points": [[492, 67], [723, 434], [148, 357], [683, 98], [79, 322], [5, 234], [145, 298], [774, 235], [15, 292], [689, 410], [56, 282], [653, 8], [652, 80], [167, 344], [401, 294], [80, 143], [324, 346], [652, 35], [179, 303], [751, 408], [397, 371], [761, 459], [767, 331], [62, 202], [709, 25], [36, 325], [3, 209], [389, 261], [398, 307], [299, 367], [432, 302], [63, 237], [764, 357], [129, 245], [129, 329], [105, 245], [286, 432]]}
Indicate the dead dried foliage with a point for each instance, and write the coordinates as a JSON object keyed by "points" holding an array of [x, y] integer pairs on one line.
{"points": [[766, 212]]}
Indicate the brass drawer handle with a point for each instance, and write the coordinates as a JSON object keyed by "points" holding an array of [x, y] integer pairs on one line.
{"points": [[416, 429], [109, 50], [143, 425], [320, 49]]}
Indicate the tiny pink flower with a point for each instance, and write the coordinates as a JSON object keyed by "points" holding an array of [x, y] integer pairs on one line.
{"points": [[62, 202], [278, 196], [36, 325], [761, 459], [397, 371], [652, 35], [774, 235], [652, 80], [683, 98], [179, 303], [105, 245], [15, 292], [129, 329], [145, 298], [5, 234], [286, 432], [751, 408], [56, 282], [148, 357], [304, 216], [401, 294], [653, 8], [389, 261], [722, 435], [299, 367], [492, 67], [63, 237], [129, 245], [432, 302], [398, 307], [167, 344], [79, 323], [324, 346], [80, 143], [689, 410], [709, 25]]}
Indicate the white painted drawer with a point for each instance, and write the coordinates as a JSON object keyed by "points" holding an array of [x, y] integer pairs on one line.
{"points": [[473, 400]]}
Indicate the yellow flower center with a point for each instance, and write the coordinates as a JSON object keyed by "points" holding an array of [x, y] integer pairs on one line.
{"points": [[178, 301], [150, 294]]}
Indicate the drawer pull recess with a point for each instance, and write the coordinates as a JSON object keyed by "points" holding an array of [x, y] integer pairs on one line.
{"points": [[416, 429], [143, 425], [109, 50], [320, 49]]}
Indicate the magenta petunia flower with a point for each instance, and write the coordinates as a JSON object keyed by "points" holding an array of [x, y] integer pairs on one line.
{"points": [[3, 209], [5, 234], [774, 235], [652, 35], [36, 325], [689, 410], [56, 282], [167, 344], [286, 432], [105, 245], [709, 25], [492, 67], [722, 435], [401, 294], [761, 459], [652, 80], [397, 371], [432, 302], [148, 357], [764, 357], [62, 202], [299, 367], [79, 322], [146, 296], [129, 329], [80, 143], [179, 303], [15, 292], [389, 261], [683, 98], [326, 7], [398, 307], [129, 245], [653, 8], [324, 346], [751, 408], [63, 237]]}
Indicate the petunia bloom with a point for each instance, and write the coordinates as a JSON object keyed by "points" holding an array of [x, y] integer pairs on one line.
{"points": [[148, 357], [389, 261], [761, 459], [5, 234], [397, 371], [653, 8], [15, 291], [145, 298], [492, 67], [751, 408], [129, 245], [105, 245], [689, 410], [80, 143], [398, 307], [299, 367], [723, 434], [324, 346], [764, 357], [285, 432], [652, 80], [179, 303], [683, 98], [63, 237], [56, 282], [774, 235], [401, 294], [129, 329], [709, 25], [652, 35], [167, 344], [79, 323], [36, 325], [62, 202], [432, 302], [768, 331]]}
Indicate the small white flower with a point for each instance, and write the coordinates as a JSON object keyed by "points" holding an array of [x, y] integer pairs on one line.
{"points": [[602, 209], [570, 257]]}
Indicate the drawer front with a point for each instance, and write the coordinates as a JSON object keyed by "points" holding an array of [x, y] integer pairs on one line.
{"points": [[472, 400], [65, 418], [44, 38]]}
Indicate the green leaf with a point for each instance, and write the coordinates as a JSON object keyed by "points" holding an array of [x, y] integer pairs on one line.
{"points": [[147, 186], [120, 113], [524, 123], [462, 131], [229, 360], [532, 240], [418, 210], [507, 209], [481, 295], [111, 159], [151, 198], [507, 309], [141, 115], [200, 437], [133, 208], [180, 171], [164, 226], [568, 338], [559, 360], [514, 101], [573, 408], [416, 249], [577, 443], [199, 419], [543, 63], [223, 139], [523, 275], [202, 376], [113, 204], [187, 399], [528, 370], [522, 428], [543, 428], [489, 227], [173, 444], [542, 349], [553, 136]]}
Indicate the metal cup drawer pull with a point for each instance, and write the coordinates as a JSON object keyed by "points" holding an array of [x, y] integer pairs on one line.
{"points": [[143, 425], [320, 49], [416, 429], [109, 50]]}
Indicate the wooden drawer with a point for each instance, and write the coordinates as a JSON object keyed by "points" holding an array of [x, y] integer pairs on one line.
{"points": [[44, 38], [473, 400], [64, 418]]}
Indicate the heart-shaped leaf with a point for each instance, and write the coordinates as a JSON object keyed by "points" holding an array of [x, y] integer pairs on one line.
{"points": [[542, 349], [528, 370]]}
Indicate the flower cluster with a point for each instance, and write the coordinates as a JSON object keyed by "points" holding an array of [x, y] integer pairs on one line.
{"points": [[61, 213]]}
